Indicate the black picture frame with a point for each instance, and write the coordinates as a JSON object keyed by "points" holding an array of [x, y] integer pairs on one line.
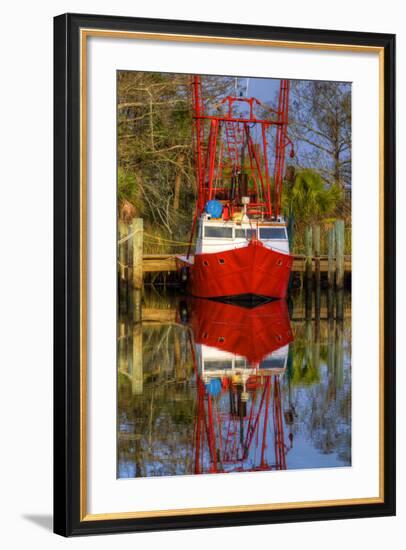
{"points": [[67, 357]]}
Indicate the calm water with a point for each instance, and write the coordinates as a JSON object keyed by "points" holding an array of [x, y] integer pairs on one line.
{"points": [[205, 387]]}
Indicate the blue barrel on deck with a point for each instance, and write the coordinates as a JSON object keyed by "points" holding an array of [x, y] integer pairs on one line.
{"points": [[214, 386], [214, 208]]}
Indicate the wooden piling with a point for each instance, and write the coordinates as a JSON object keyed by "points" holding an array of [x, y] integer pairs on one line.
{"points": [[308, 271], [339, 233], [316, 248], [123, 267], [137, 305], [309, 256], [137, 228], [122, 249], [331, 253]]}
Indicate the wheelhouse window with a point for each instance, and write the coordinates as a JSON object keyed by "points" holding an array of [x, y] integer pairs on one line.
{"points": [[218, 232], [272, 233], [218, 364], [272, 363], [242, 233]]}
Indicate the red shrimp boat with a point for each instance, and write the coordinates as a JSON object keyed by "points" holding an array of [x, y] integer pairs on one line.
{"points": [[242, 247]]}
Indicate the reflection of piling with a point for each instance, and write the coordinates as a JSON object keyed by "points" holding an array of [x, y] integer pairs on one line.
{"points": [[330, 358], [331, 253], [339, 356], [309, 342], [331, 344], [317, 303], [340, 304], [137, 376], [122, 347], [339, 234], [316, 346], [308, 304], [330, 303], [177, 356]]}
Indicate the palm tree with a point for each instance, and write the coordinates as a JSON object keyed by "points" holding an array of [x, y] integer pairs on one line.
{"points": [[308, 199]]}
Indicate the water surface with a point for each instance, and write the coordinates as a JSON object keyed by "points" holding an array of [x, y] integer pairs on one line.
{"points": [[205, 387]]}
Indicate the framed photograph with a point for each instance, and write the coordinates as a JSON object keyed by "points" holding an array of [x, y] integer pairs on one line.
{"points": [[224, 274]]}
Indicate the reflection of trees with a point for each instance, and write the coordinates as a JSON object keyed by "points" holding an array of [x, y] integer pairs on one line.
{"points": [[156, 427], [319, 386], [156, 419], [304, 368], [327, 421]]}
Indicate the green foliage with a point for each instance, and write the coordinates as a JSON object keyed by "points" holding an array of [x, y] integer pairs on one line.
{"points": [[303, 369], [127, 189], [309, 199]]}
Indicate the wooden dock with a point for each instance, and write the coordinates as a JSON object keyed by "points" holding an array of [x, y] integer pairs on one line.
{"points": [[167, 263]]}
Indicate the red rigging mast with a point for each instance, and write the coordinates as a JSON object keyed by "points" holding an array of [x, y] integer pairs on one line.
{"points": [[234, 435], [232, 156]]}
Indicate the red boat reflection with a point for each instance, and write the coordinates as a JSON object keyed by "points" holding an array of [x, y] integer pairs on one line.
{"points": [[239, 355]]}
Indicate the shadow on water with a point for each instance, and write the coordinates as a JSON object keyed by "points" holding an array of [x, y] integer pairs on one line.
{"points": [[207, 387]]}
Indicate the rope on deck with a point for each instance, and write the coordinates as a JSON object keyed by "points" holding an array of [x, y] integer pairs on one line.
{"points": [[126, 238]]}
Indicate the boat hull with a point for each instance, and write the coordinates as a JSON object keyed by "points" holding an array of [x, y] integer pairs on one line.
{"points": [[252, 270]]}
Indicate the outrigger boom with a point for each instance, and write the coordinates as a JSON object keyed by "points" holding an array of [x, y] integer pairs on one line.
{"points": [[218, 159]]}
